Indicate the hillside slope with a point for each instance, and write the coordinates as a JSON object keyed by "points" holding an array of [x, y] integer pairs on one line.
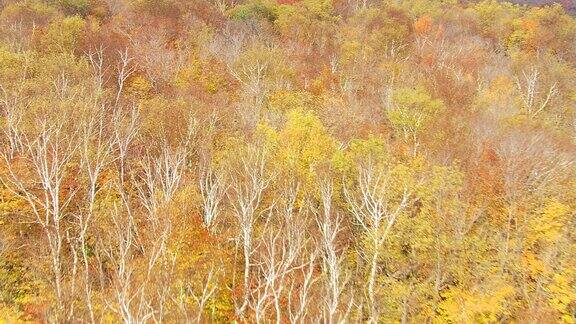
{"points": [[287, 161]]}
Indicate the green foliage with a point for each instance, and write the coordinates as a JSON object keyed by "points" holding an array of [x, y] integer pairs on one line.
{"points": [[284, 101], [413, 110], [74, 7], [11, 65], [63, 35], [301, 145], [496, 17], [35, 11], [371, 34], [18, 287], [373, 149], [255, 9], [424, 7], [532, 31], [320, 9]]}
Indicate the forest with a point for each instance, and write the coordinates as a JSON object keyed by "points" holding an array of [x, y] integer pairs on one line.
{"points": [[287, 161]]}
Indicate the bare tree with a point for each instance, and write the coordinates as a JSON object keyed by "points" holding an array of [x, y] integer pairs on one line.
{"points": [[125, 70], [375, 210], [277, 260], [201, 296], [161, 178], [96, 150], [280, 270], [119, 251], [140, 270], [300, 256], [252, 76], [47, 155], [125, 127], [300, 291], [156, 179], [212, 180], [282, 263], [205, 295], [212, 188], [335, 281], [13, 115], [529, 88], [248, 182], [531, 164], [96, 59], [158, 61]]}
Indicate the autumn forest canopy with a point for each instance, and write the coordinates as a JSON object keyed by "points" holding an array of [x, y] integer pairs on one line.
{"points": [[287, 161]]}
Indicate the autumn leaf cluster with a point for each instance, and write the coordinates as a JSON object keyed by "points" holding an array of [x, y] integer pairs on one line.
{"points": [[297, 161]]}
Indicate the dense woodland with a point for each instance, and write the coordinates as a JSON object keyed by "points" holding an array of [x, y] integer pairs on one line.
{"points": [[297, 161]]}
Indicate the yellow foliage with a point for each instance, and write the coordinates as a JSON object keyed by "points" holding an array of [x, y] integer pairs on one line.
{"points": [[524, 33], [495, 16], [372, 148], [18, 287], [200, 72], [301, 144], [563, 295], [10, 64], [10, 316], [532, 31], [9, 203], [139, 87], [283, 100], [425, 7], [547, 226], [63, 35], [413, 109], [350, 51], [476, 306], [189, 73], [533, 264]]}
